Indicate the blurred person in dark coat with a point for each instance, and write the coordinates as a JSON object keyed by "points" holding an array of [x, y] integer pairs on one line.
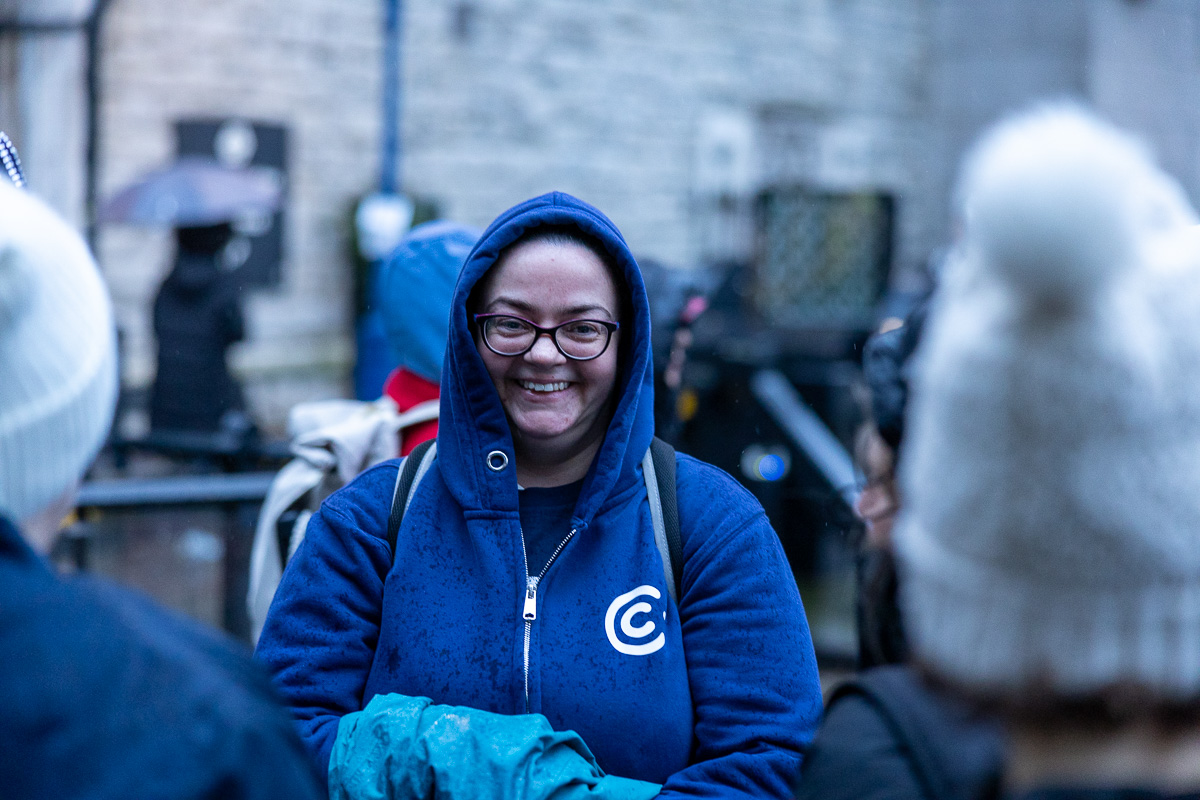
{"points": [[102, 694], [885, 732], [197, 316]]}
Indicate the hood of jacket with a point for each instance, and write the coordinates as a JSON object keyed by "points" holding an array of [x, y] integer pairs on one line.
{"points": [[473, 424], [425, 264]]}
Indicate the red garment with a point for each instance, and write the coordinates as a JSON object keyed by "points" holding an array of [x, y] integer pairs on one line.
{"points": [[408, 389]]}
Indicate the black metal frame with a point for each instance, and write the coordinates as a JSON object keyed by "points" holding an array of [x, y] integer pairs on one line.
{"points": [[238, 495]]}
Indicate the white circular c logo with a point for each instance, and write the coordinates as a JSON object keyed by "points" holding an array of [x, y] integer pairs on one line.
{"points": [[643, 631]]}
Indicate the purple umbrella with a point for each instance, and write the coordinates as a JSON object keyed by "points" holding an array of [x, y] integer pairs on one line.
{"points": [[196, 191]]}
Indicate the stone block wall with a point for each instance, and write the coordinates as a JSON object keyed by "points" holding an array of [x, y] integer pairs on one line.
{"points": [[1137, 62], [646, 110], [669, 116], [312, 65], [612, 101]]}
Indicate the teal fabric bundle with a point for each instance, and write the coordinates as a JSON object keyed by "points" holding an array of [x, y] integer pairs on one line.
{"points": [[407, 747]]}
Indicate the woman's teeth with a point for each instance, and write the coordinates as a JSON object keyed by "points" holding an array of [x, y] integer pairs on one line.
{"points": [[543, 387]]}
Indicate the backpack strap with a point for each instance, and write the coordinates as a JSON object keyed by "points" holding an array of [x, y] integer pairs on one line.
{"points": [[421, 412], [412, 469], [658, 469]]}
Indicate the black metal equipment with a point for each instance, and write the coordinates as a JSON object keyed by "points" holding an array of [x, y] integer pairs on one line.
{"points": [[769, 382]]}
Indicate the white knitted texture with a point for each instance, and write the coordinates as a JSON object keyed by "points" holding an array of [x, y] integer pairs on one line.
{"points": [[57, 348], [1052, 456]]}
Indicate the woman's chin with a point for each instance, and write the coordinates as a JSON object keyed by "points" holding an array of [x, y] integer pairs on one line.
{"points": [[543, 432]]}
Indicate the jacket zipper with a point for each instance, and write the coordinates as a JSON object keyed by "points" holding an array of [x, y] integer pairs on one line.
{"points": [[529, 611]]}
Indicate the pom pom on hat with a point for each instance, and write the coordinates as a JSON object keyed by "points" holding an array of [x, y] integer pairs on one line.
{"points": [[57, 356], [1057, 202], [1051, 529], [16, 285]]}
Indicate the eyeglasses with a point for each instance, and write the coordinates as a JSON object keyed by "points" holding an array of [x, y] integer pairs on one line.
{"points": [[577, 339]]}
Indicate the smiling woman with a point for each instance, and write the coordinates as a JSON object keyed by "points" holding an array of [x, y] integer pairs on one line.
{"points": [[526, 578], [558, 404]]}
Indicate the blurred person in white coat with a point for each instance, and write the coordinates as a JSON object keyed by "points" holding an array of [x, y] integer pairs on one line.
{"points": [[1049, 543]]}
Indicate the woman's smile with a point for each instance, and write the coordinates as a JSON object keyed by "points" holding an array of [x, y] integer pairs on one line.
{"points": [[543, 388]]}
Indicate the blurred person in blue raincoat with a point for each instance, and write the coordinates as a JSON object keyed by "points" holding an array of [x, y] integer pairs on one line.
{"points": [[413, 290], [526, 578], [102, 694], [334, 440]]}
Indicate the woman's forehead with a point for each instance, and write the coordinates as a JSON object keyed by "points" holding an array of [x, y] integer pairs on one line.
{"points": [[550, 275]]}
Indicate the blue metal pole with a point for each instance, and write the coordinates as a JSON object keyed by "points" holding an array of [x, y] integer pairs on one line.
{"points": [[391, 177]]}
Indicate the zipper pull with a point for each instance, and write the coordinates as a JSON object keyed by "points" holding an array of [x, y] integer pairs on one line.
{"points": [[531, 583]]}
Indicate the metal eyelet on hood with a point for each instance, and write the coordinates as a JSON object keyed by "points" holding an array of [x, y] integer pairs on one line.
{"points": [[497, 460]]}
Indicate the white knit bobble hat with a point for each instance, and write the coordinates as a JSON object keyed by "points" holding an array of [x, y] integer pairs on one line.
{"points": [[58, 377], [1051, 474]]}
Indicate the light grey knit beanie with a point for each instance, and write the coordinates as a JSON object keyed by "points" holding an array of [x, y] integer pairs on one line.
{"points": [[58, 377], [1051, 479]]}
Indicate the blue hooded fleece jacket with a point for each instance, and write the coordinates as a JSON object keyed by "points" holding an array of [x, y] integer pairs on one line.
{"points": [[717, 696]]}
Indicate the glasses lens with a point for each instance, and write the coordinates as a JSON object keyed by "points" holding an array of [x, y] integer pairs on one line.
{"points": [[508, 335], [582, 338]]}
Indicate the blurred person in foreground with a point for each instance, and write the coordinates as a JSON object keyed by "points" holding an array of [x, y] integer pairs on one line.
{"points": [[102, 695], [1049, 544], [526, 590], [885, 732]]}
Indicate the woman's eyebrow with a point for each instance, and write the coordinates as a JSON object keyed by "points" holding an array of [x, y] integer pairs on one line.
{"points": [[528, 308], [508, 301], [587, 309]]}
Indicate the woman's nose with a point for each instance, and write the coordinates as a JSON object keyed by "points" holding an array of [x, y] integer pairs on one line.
{"points": [[544, 350]]}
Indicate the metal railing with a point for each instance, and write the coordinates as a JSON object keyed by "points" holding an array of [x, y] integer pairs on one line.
{"points": [[236, 496], [176, 490]]}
